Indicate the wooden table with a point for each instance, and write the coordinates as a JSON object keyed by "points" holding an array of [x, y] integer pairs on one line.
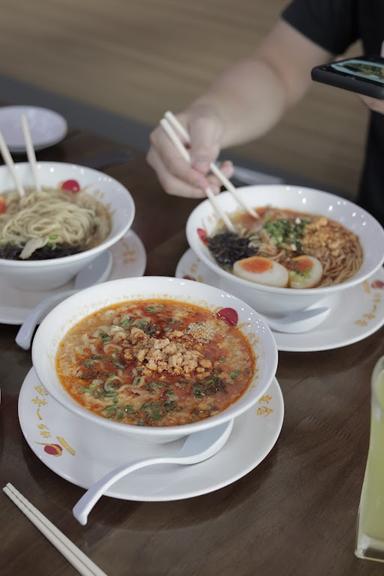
{"points": [[295, 514]]}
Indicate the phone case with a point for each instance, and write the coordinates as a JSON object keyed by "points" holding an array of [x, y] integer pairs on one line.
{"points": [[327, 75]]}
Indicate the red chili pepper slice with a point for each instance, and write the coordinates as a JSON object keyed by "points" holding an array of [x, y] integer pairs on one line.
{"points": [[53, 449], [229, 315], [3, 206], [71, 186], [202, 235]]}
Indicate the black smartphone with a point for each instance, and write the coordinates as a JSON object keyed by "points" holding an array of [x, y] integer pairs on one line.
{"points": [[362, 75]]}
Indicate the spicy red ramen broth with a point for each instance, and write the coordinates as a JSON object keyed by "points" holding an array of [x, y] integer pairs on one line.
{"points": [[155, 363]]}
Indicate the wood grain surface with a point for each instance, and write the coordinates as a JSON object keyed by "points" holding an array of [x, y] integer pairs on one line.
{"points": [[294, 515], [142, 57]]}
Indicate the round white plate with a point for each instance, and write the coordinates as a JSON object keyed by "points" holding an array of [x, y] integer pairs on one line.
{"points": [[82, 452], [356, 313], [47, 127], [129, 261]]}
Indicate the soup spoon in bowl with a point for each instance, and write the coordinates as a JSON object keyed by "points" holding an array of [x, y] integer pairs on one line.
{"points": [[197, 447], [94, 273]]}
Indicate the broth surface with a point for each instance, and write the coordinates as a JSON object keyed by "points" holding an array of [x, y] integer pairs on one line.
{"points": [[155, 363], [282, 235]]}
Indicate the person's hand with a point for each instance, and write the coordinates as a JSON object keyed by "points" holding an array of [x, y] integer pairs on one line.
{"points": [[176, 176], [373, 104]]}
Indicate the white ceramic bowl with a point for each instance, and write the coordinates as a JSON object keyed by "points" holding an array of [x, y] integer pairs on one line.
{"points": [[71, 311], [47, 274], [270, 300]]}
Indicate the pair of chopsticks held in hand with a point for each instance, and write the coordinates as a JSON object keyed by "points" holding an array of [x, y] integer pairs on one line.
{"points": [[179, 137], [30, 154]]}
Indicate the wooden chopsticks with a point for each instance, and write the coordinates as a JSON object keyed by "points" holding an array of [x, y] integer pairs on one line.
{"points": [[174, 129], [30, 154], [11, 166], [30, 150], [72, 553], [214, 168], [171, 133]]}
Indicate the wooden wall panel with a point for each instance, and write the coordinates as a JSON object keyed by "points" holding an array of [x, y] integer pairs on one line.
{"points": [[140, 57]]}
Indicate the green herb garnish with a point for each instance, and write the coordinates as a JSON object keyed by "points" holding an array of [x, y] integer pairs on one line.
{"points": [[154, 386], [287, 231], [104, 337], [126, 322], [198, 391], [153, 410], [153, 308]]}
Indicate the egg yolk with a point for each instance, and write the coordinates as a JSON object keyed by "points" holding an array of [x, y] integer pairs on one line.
{"points": [[257, 265], [302, 265]]}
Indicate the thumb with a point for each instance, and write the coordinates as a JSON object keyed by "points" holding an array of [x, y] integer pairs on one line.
{"points": [[205, 142]]}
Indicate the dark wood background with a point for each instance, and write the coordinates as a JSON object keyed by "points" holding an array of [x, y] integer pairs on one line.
{"points": [[139, 58]]}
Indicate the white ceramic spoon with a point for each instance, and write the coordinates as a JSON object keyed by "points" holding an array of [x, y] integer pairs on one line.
{"points": [[196, 448], [301, 321], [94, 273]]}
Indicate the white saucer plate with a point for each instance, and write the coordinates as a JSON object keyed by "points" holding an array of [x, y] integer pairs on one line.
{"points": [[82, 452], [129, 261], [356, 313], [47, 127]]}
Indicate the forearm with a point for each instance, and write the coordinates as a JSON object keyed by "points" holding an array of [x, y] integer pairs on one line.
{"points": [[242, 104], [249, 100]]}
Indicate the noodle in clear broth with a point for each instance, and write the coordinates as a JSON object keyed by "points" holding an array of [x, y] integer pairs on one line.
{"points": [[287, 248], [50, 224]]}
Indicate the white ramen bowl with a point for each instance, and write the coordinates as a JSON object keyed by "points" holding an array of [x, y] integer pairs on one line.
{"points": [[54, 272], [71, 311], [268, 299]]}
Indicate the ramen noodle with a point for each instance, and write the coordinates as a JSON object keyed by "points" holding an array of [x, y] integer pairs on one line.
{"points": [[287, 248], [155, 363], [50, 223]]}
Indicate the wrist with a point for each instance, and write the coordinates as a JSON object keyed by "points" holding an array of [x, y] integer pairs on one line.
{"points": [[210, 108]]}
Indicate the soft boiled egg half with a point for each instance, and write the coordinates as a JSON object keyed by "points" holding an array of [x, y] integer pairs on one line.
{"points": [[262, 271], [305, 272]]}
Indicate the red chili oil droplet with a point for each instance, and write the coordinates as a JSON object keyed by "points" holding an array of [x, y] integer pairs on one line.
{"points": [[53, 449], [378, 284], [71, 186], [202, 235], [229, 315]]}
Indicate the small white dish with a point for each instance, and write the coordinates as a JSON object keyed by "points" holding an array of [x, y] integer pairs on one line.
{"points": [[82, 452], [47, 127], [129, 261], [355, 314]]}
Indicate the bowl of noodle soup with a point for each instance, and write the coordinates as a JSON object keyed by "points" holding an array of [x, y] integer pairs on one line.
{"points": [[306, 246], [155, 358], [48, 236]]}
